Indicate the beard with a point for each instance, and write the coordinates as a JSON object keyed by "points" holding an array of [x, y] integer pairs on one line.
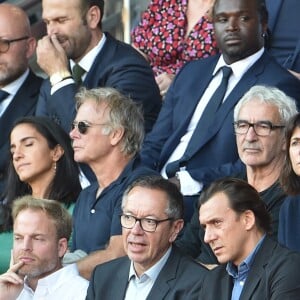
{"points": [[38, 271], [9, 73]]}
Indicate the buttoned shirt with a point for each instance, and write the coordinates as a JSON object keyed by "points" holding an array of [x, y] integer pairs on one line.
{"points": [[240, 273], [139, 287], [65, 284]]}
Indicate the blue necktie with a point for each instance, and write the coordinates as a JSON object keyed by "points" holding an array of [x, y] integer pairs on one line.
{"points": [[3, 95], [205, 121]]}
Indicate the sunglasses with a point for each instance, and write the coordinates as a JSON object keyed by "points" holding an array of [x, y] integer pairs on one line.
{"points": [[83, 126]]}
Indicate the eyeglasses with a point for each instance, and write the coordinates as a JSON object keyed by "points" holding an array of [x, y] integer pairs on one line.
{"points": [[5, 44], [83, 126], [147, 224], [262, 128]]}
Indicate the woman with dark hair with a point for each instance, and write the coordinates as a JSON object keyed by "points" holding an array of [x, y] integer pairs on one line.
{"points": [[42, 164], [289, 217]]}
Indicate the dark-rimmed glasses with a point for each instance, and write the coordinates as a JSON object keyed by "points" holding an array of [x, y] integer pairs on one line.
{"points": [[83, 126], [147, 224], [5, 43], [262, 128]]}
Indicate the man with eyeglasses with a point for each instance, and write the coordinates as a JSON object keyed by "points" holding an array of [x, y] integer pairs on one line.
{"points": [[153, 269], [259, 121], [19, 86]]}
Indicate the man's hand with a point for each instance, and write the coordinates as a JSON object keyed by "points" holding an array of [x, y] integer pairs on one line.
{"points": [[164, 81], [51, 56], [11, 284]]}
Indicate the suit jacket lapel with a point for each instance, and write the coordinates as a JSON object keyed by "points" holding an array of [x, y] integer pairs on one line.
{"points": [[190, 104], [122, 281], [168, 273], [273, 7], [248, 80], [257, 269], [21, 105]]}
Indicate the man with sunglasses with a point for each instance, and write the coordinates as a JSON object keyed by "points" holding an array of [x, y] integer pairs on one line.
{"points": [[153, 269], [19, 86], [259, 121], [106, 135]]}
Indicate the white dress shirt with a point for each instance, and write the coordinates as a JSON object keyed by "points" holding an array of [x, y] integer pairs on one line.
{"points": [[63, 284], [139, 287]]}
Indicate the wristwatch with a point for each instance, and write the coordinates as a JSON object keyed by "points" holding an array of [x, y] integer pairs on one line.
{"points": [[59, 76]]}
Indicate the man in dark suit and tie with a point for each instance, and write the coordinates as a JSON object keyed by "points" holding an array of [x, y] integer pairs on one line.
{"points": [[189, 134], [253, 266], [19, 86], [75, 41], [154, 269]]}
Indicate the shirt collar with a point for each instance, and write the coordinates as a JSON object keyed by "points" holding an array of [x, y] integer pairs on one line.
{"points": [[154, 271], [87, 61], [246, 264], [14, 86], [240, 67]]}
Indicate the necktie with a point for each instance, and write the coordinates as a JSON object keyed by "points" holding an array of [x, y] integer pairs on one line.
{"points": [[205, 121], [3, 95], [77, 73]]}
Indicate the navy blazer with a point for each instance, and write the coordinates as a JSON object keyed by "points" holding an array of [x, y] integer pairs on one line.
{"points": [[217, 145], [23, 104], [181, 278], [288, 53], [272, 276], [117, 65]]}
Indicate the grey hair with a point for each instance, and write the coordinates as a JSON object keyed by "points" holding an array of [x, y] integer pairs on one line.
{"points": [[269, 95], [123, 113]]}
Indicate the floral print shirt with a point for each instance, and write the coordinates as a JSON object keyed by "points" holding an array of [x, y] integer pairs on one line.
{"points": [[161, 35]]}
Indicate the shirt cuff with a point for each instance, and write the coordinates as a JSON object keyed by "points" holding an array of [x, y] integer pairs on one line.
{"points": [[188, 186], [61, 84]]}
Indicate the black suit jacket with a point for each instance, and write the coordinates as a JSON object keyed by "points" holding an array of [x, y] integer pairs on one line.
{"points": [[273, 276], [23, 104], [180, 278], [117, 65]]}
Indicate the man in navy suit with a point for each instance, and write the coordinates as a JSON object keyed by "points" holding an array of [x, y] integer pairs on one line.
{"points": [[154, 269], [75, 38], [253, 265], [240, 27], [21, 86]]}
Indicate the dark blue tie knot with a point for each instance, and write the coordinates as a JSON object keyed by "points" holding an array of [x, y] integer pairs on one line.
{"points": [[3, 95], [226, 72]]}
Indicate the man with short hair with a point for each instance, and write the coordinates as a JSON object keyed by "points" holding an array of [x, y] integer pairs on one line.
{"points": [[19, 86], [253, 265], [154, 269], [193, 129], [42, 229], [75, 40], [106, 134], [259, 121]]}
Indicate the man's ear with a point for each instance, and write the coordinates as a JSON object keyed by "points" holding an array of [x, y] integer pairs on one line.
{"points": [[62, 247], [177, 226], [116, 136], [248, 219], [93, 16]]}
